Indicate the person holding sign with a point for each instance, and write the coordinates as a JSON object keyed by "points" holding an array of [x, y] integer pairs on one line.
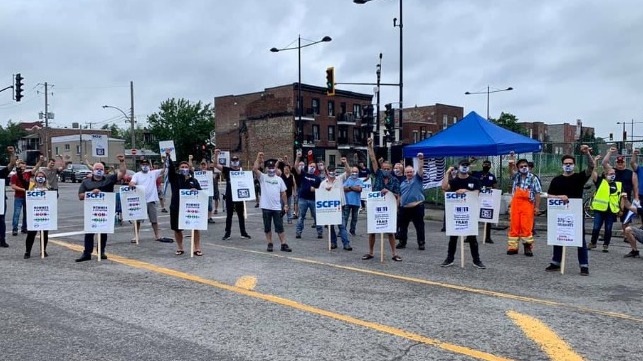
{"points": [[412, 204], [384, 182], [462, 183], [487, 180], [605, 205], [353, 194], [147, 179], [525, 204], [273, 190], [308, 182], [570, 185], [181, 180], [99, 182], [4, 175], [332, 181], [40, 184], [20, 184], [230, 206]]}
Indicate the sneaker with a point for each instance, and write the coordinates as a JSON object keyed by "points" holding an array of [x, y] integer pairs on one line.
{"points": [[320, 236], [27, 256], [353, 234], [298, 235], [490, 241], [210, 220], [421, 247], [529, 253], [269, 249], [313, 226], [285, 248], [591, 246], [512, 251], [348, 248], [164, 210], [226, 237], [447, 263], [84, 258], [584, 271], [246, 236], [606, 248], [400, 245], [4, 244], [397, 258], [552, 267], [14, 233], [103, 256], [632, 254], [479, 265], [333, 246], [257, 205]]}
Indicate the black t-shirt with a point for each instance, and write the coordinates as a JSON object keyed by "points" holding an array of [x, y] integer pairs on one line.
{"points": [[469, 183], [570, 186], [290, 183], [625, 176]]}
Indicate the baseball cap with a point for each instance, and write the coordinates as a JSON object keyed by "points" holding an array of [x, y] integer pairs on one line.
{"points": [[235, 157], [144, 161], [620, 159], [464, 161], [270, 163]]}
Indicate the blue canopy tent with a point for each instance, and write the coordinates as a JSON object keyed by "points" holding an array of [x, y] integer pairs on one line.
{"points": [[473, 135]]}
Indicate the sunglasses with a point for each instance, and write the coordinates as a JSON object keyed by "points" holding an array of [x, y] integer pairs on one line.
{"points": [[568, 163], [465, 164]]}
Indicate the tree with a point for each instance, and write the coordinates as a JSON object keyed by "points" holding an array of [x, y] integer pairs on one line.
{"points": [[510, 122], [9, 136], [187, 124]]}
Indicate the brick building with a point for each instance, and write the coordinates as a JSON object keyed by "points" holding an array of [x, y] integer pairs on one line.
{"points": [[266, 121], [558, 138], [422, 122]]}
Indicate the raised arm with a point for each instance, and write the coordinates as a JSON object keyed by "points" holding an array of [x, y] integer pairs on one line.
{"points": [[591, 164], [420, 170], [255, 167], [122, 166], [446, 179], [511, 164], [606, 161], [217, 152], [12, 157], [634, 160], [371, 154]]}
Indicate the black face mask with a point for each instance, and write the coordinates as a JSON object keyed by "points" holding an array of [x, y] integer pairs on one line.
{"points": [[486, 168]]}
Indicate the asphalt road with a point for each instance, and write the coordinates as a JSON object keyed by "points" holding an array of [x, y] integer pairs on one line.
{"points": [[239, 302]]}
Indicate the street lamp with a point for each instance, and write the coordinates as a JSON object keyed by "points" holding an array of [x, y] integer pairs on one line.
{"points": [[325, 39], [395, 23], [489, 91], [130, 119]]}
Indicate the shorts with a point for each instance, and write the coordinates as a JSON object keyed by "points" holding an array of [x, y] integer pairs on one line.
{"points": [[160, 192], [270, 216], [216, 193], [174, 220], [151, 212], [638, 234]]}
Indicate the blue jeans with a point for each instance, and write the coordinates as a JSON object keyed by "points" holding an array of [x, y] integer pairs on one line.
{"points": [[351, 211], [583, 256], [342, 233], [304, 205], [19, 207], [3, 226], [599, 217]]}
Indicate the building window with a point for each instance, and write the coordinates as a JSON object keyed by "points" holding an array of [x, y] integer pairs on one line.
{"points": [[357, 110], [342, 108], [300, 105], [416, 136], [56, 151], [315, 104], [445, 121], [357, 135], [78, 149], [67, 147], [331, 108], [343, 134], [455, 120], [316, 132], [331, 160], [331, 133]]}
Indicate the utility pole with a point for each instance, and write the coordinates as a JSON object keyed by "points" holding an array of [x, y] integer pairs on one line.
{"points": [[47, 152], [377, 119], [131, 116]]}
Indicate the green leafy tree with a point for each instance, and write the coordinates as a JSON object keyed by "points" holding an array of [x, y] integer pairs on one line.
{"points": [[9, 136], [187, 124], [510, 122]]}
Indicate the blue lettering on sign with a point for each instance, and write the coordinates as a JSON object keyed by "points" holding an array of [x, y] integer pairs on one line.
{"points": [[487, 191], [456, 196], [237, 173], [36, 193], [188, 192], [328, 204], [375, 195], [126, 189], [95, 195], [555, 202]]}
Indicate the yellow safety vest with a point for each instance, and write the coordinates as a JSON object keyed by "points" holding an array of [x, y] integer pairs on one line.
{"points": [[603, 198]]}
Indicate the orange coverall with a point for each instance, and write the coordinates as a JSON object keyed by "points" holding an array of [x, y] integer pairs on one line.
{"points": [[522, 220]]}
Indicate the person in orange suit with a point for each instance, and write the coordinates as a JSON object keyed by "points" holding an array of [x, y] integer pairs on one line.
{"points": [[525, 204]]}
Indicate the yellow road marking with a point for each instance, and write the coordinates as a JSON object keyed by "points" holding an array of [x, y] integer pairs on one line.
{"points": [[463, 350], [555, 347], [453, 286], [246, 282]]}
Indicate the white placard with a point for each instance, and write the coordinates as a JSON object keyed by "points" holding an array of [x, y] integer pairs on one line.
{"points": [[3, 194], [42, 210], [133, 204], [224, 158], [565, 222], [193, 209], [242, 184], [168, 144], [205, 181], [99, 145], [461, 213], [381, 213], [99, 212], [328, 207], [366, 189], [489, 202]]}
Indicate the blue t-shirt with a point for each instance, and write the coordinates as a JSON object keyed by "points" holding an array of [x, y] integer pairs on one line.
{"points": [[639, 173], [305, 182], [353, 198]]}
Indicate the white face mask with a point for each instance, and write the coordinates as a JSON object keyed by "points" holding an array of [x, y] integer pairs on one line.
{"points": [[463, 169], [568, 168], [234, 163], [145, 168], [610, 178], [524, 170], [271, 172]]}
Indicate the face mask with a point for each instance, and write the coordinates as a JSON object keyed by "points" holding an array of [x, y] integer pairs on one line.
{"points": [[610, 178], [463, 169], [145, 168], [311, 170], [486, 168], [234, 163], [397, 172], [386, 173], [332, 174], [40, 179], [524, 170], [271, 172], [354, 175], [321, 167], [184, 171], [99, 172], [568, 168], [301, 168]]}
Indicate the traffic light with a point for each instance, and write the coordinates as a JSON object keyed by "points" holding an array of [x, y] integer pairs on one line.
{"points": [[18, 87], [299, 140], [389, 122], [330, 81], [611, 136]]}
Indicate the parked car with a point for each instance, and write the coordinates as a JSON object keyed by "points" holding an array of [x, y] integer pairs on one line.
{"points": [[75, 173]]}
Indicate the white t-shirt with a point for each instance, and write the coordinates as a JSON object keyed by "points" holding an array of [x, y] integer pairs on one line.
{"points": [[148, 181], [338, 183], [271, 188]]}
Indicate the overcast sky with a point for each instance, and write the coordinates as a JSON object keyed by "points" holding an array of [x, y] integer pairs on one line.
{"points": [[566, 60]]}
